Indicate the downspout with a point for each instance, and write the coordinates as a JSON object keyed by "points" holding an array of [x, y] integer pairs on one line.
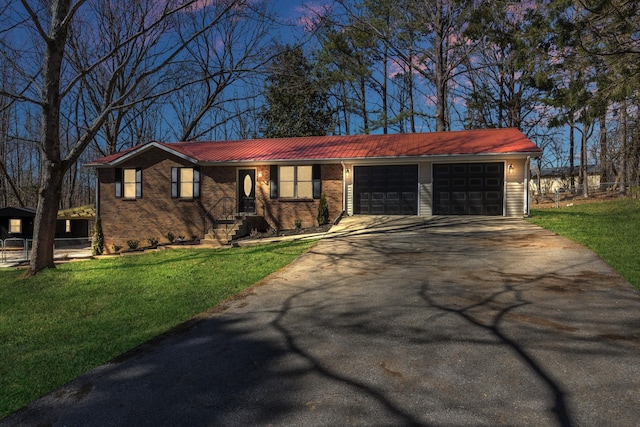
{"points": [[344, 188], [527, 172], [95, 170], [92, 232]]}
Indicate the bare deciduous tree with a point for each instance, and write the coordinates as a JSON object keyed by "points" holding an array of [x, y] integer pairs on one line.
{"points": [[121, 65]]}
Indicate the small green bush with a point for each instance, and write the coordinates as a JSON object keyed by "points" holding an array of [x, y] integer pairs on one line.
{"points": [[298, 224], [323, 211], [153, 241], [170, 237], [133, 244]]}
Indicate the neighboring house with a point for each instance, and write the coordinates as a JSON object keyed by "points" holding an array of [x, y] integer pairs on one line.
{"points": [[554, 179], [156, 188], [72, 223], [16, 223], [75, 225]]}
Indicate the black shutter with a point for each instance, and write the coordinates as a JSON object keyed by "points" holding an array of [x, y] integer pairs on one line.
{"points": [[118, 181], [174, 183], [317, 181], [273, 181], [138, 183], [196, 183]]}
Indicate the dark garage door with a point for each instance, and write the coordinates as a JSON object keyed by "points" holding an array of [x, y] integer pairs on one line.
{"points": [[386, 190], [468, 188]]}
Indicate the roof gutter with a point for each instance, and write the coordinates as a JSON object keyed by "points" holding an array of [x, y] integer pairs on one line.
{"points": [[527, 173]]}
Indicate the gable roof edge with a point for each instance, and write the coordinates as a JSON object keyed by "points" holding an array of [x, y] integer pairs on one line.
{"points": [[135, 151]]}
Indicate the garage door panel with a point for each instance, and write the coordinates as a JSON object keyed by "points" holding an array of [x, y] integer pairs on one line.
{"points": [[476, 182], [459, 209], [459, 183], [442, 171], [494, 168], [388, 190], [409, 203], [493, 209], [468, 189], [458, 170], [476, 209], [476, 196], [476, 169], [493, 182], [493, 196]]}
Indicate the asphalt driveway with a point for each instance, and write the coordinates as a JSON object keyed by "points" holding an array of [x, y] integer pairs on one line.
{"points": [[390, 321]]}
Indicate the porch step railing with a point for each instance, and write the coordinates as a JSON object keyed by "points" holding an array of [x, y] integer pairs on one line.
{"points": [[221, 221]]}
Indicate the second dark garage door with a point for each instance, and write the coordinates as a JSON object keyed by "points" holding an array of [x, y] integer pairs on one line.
{"points": [[385, 190], [468, 189]]}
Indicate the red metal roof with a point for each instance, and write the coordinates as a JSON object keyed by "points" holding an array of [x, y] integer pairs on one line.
{"points": [[350, 147]]}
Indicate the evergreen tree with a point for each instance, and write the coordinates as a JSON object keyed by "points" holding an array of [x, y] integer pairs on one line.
{"points": [[296, 102], [323, 211]]}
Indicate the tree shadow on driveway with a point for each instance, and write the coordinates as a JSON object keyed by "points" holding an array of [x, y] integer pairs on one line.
{"points": [[444, 324]]}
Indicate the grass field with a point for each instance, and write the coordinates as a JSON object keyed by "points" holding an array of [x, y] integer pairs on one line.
{"points": [[66, 321], [611, 229]]}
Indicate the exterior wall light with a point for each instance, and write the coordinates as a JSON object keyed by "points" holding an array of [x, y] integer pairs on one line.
{"points": [[346, 172], [510, 168]]}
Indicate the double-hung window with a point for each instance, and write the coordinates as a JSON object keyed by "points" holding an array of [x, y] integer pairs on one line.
{"points": [[295, 182], [129, 183], [185, 183], [15, 226]]}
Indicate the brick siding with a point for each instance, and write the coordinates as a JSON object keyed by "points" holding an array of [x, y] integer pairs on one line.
{"points": [[156, 213], [282, 213]]}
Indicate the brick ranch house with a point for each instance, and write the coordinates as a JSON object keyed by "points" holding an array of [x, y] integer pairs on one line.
{"points": [[185, 187]]}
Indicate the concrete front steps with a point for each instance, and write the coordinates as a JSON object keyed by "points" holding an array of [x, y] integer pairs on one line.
{"points": [[234, 227]]}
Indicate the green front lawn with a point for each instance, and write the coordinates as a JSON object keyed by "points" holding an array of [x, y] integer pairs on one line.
{"points": [[611, 229], [66, 321]]}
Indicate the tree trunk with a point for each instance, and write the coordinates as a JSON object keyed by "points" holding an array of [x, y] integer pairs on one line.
{"points": [[385, 108], [53, 169], [604, 162], [410, 89], [572, 175], [634, 160], [623, 147], [539, 180], [584, 167], [441, 83], [45, 220], [363, 105]]}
